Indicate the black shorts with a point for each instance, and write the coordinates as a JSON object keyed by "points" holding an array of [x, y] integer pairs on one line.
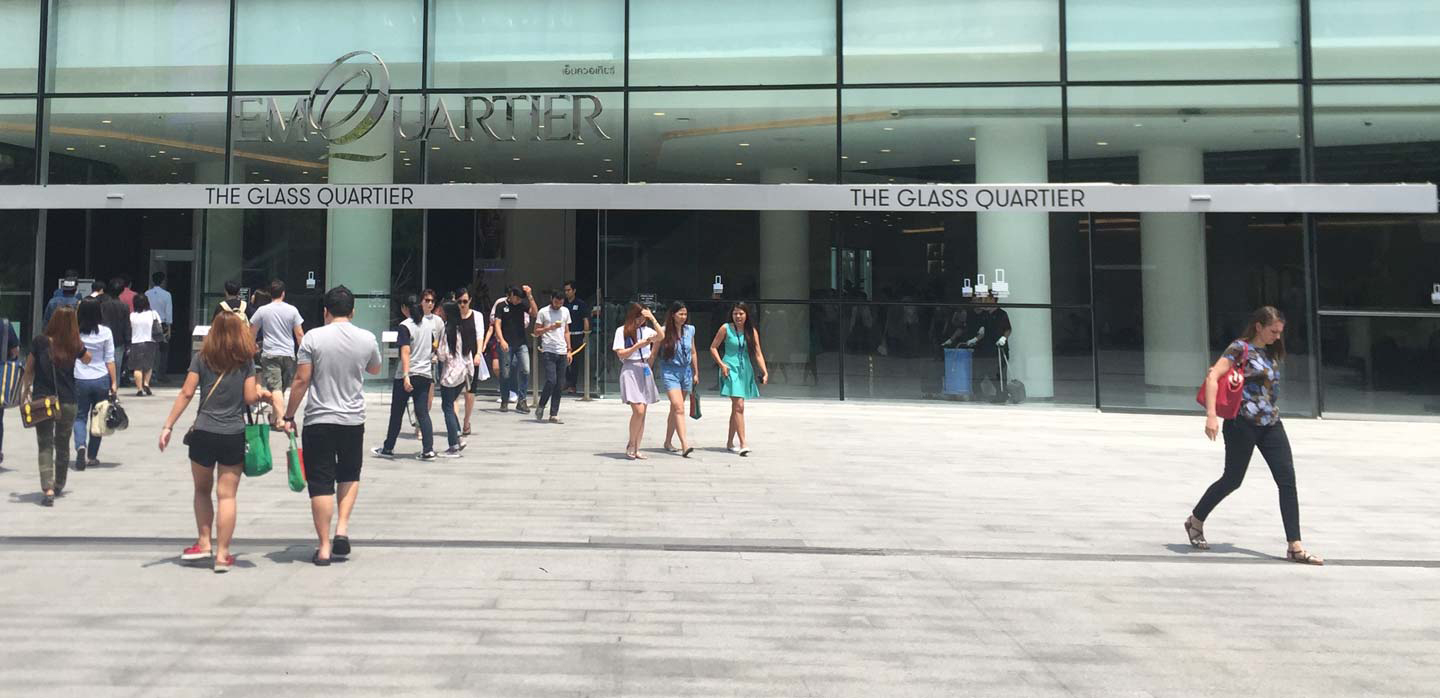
{"points": [[209, 449], [332, 454]]}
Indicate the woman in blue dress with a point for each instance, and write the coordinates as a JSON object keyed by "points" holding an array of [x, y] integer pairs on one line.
{"points": [[736, 348], [679, 373]]}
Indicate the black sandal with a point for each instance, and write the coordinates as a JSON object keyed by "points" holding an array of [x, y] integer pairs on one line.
{"points": [[319, 562], [1196, 535], [340, 546], [1304, 557]]}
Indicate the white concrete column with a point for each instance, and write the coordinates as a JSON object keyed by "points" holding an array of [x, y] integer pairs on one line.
{"points": [[357, 241], [785, 274], [1172, 276], [1019, 243]]}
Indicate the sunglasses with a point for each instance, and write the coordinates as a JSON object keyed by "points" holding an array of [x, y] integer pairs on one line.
{"points": [[463, 301]]}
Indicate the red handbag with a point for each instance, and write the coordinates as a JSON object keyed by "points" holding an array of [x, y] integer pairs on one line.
{"points": [[1229, 392]]}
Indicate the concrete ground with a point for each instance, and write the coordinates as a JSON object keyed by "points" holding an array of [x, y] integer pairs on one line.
{"points": [[863, 549]]}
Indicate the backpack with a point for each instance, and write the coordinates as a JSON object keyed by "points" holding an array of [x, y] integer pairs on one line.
{"points": [[238, 312]]}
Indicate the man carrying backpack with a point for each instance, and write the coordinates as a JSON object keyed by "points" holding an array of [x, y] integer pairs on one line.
{"points": [[233, 303]]}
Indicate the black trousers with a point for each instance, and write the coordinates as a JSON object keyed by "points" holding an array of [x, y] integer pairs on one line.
{"points": [[398, 398], [553, 365], [1241, 440]]}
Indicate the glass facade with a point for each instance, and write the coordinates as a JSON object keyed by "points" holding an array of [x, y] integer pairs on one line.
{"points": [[1112, 309]]}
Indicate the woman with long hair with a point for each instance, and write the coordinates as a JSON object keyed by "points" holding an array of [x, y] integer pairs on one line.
{"points": [[634, 345], [456, 365], [223, 372], [470, 322], [736, 348], [1258, 353], [143, 343], [95, 380], [50, 372], [679, 369]]}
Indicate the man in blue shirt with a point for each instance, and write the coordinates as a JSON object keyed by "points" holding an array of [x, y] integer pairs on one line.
{"points": [[65, 295], [579, 334]]}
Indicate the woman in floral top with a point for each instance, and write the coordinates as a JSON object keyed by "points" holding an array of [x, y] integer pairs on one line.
{"points": [[1259, 352]]}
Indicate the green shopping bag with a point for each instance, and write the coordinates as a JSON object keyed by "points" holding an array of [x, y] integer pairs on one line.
{"points": [[297, 465], [257, 447]]}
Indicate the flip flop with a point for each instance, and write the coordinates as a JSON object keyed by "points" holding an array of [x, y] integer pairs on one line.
{"points": [[340, 546], [318, 561]]}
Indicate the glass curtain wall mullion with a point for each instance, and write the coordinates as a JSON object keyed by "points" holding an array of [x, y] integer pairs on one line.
{"points": [[229, 91], [625, 118], [1307, 221], [41, 164]]}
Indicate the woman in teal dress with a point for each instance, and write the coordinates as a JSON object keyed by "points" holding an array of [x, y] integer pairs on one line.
{"points": [[736, 348]]}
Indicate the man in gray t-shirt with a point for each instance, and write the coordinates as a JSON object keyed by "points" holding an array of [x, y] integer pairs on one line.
{"points": [[278, 329], [333, 361]]}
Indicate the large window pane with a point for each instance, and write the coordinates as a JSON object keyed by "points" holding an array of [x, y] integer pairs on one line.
{"points": [[769, 136], [1377, 38], [1381, 365], [951, 40], [267, 151], [1377, 133], [574, 138], [740, 42], [283, 45], [17, 269], [1182, 39], [145, 45], [164, 140], [1172, 290], [541, 43], [1378, 261], [958, 135], [1220, 134], [17, 141], [20, 51]]}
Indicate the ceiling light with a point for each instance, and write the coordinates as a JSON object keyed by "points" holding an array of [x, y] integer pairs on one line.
{"points": [[884, 150], [579, 142], [889, 128], [174, 158], [267, 180], [1139, 125], [161, 152], [515, 159], [864, 162], [844, 157], [954, 159], [403, 152], [739, 164], [744, 145], [102, 145], [434, 147], [609, 171], [972, 138], [177, 174], [104, 121], [605, 159], [467, 167], [594, 176], [304, 172], [407, 164], [812, 179], [659, 113], [70, 147], [1102, 143], [255, 173], [154, 156], [729, 179]]}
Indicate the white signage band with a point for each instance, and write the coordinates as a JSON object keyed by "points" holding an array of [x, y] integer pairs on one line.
{"points": [[1142, 198]]}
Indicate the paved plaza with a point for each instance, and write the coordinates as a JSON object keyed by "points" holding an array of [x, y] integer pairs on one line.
{"points": [[863, 549]]}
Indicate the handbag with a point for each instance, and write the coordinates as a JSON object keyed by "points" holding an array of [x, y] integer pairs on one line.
{"points": [[157, 330], [257, 446], [186, 439], [694, 404], [43, 409], [1230, 390], [99, 424], [295, 460]]}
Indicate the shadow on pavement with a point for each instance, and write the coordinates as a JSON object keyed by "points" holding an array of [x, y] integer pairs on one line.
{"points": [[1219, 548]]}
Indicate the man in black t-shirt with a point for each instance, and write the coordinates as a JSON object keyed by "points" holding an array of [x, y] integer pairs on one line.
{"points": [[579, 333], [512, 318]]}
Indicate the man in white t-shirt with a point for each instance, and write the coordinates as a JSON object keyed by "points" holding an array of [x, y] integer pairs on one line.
{"points": [[278, 330], [552, 326], [333, 361]]}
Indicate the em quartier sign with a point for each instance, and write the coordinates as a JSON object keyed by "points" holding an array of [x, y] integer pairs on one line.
{"points": [[363, 75]]}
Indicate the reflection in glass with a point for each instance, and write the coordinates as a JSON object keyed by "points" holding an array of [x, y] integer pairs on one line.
{"points": [[269, 151], [1229, 134], [1161, 321], [1381, 365], [17, 269], [957, 41], [530, 138], [288, 46], [540, 43], [17, 141], [20, 51], [740, 42], [1377, 261], [144, 45], [1391, 39], [139, 140], [1182, 40], [769, 136], [964, 135], [1377, 133], [902, 351]]}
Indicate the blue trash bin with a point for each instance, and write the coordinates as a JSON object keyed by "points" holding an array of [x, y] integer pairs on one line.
{"points": [[957, 371]]}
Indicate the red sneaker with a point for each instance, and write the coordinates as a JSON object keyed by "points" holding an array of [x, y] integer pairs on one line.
{"points": [[196, 552], [222, 564]]}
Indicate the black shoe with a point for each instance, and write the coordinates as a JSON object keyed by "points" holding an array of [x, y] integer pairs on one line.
{"points": [[383, 452], [79, 459], [427, 455], [319, 561], [147, 391], [522, 407], [48, 501], [504, 407], [340, 546]]}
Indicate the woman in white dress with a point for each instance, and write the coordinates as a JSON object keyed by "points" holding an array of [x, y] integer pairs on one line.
{"points": [[635, 346]]}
